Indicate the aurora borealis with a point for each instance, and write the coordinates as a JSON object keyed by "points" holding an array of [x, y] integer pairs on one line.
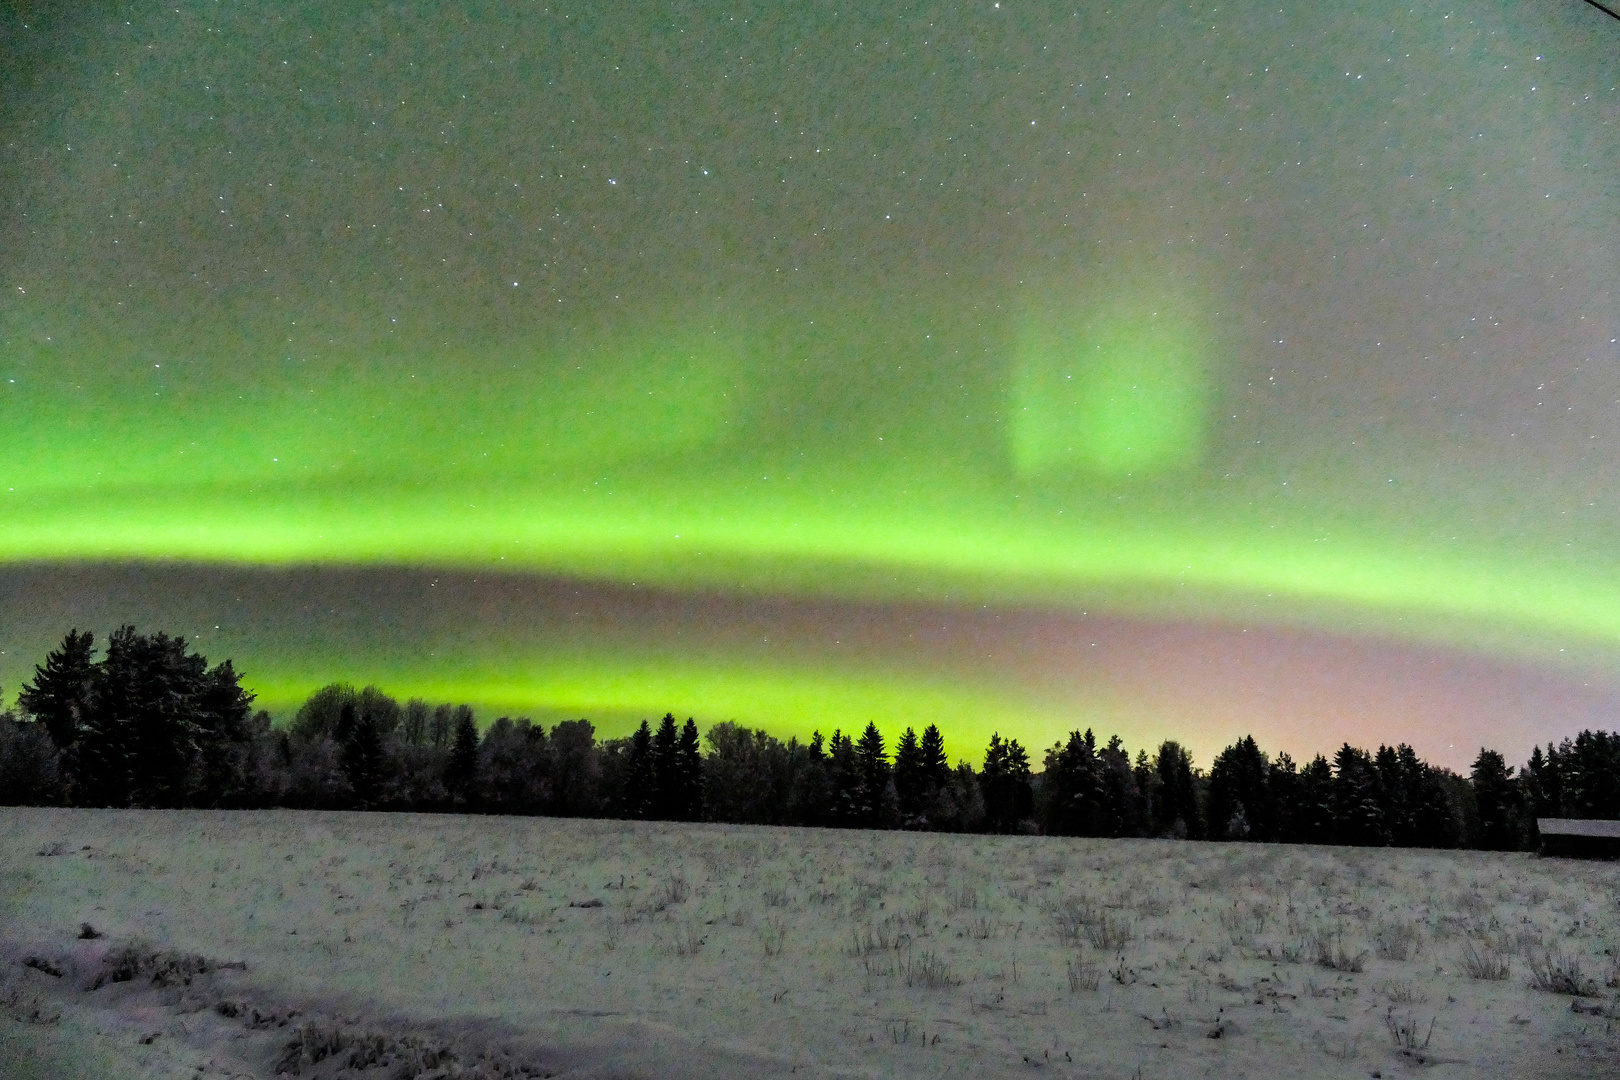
{"points": [[805, 366]]}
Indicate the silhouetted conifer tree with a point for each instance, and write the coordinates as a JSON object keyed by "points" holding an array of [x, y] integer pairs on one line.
{"points": [[935, 768], [1178, 808], [910, 781], [1121, 801], [1240, 806], [1314, 821], [1147, 791], [636, 791], [1496, 798], [1543, 786], [665, 804], [689, 770], [1004, 784], [1071, 796], [1358, 804], [872, 767], [141, 737], [1589, 768], [60, 694], [845, 810], [1283, 790], [228, 761]]}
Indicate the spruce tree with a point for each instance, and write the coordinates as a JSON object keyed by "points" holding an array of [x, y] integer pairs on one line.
{"points": [[1120, 795], [1147, 791], [1590, 768], [689, 767], [1438, 820], [461, 771], [1358, 804], [143, 730], [1541, 794], [846, 781], [1284, 792], [225, 741], [1239, 804], [1496, 796], [936, 769], [1178, 814], [910, 781], [1314, 821], [636, 788], [1004, 783], [872, 766], [1078, 802], [665, 804], [59, 696], [1404, 775]]}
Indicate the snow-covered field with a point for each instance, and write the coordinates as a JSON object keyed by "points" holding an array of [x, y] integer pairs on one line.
{"points": [[443, 946]]}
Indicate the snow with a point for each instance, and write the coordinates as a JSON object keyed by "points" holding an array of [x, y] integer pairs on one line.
{"points": [[738, 951]]}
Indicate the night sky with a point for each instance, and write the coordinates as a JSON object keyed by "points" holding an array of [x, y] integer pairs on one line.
{"points": [[1179, 370]]}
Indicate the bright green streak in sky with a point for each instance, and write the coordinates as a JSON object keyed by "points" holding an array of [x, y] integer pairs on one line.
{"points": [[898, 529]]}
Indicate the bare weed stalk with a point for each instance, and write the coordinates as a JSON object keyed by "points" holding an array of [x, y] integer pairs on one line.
{"points": [[1485, 964]]}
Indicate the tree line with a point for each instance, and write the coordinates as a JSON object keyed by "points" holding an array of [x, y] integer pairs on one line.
{"points": [[151, 724]]}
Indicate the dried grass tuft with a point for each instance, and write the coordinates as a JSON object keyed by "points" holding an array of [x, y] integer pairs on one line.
{"points": [[1485, 964], [930, 971], [1559, 973]]}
